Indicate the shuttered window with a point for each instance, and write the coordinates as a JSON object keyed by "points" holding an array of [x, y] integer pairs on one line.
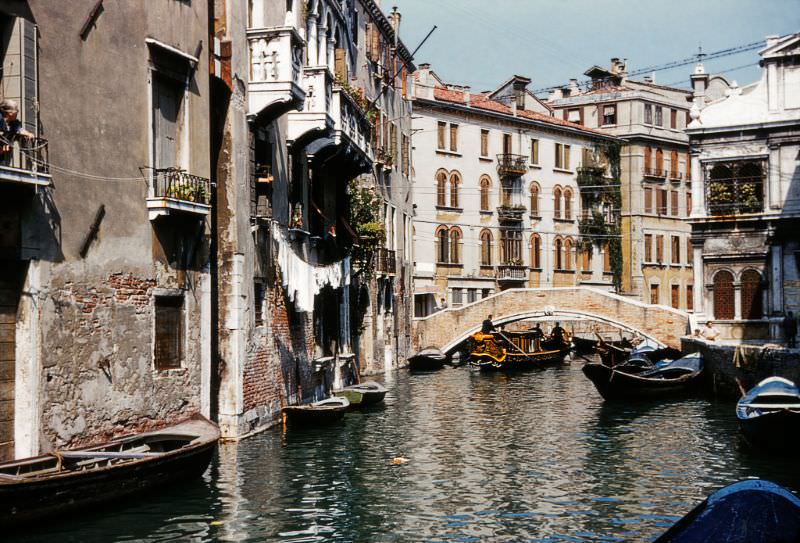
{"points": [[659, 249], [689, 298], [648, 200], [484, 143], [674, 203], [169, 332], [534, 151], [453, 137], [648, 247], [340, 64], [441, 134], [675, 296], [676, 250], [167, 98]]}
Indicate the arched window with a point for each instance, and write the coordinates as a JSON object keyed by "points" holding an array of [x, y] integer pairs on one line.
{"points": [[442, 245], [534, 199], [586, 260], [752, 295], [455, 246], [455, 180], [568, 203], [558, 254], [720, 190], [441, 188], [723, 295], [659, 161], [557, 202], [486, 185], [536, 251], [648, 160], [486, 248], [568, 254]]}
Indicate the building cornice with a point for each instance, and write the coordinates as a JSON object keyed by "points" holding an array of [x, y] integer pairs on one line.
{"points": [[388, 31]]}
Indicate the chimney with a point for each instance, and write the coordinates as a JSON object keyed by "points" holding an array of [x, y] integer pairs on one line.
{"points": [[615, 65], [573, 87], [772, 40], [466, 95], [648, 79], [395, 19]]}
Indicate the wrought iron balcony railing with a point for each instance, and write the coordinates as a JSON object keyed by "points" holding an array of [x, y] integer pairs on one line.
{"points": [[510, 213], [386, 261], [735, 196], [511, 272], [24, 160], [175, 189], [655, 172], [512, 165]]}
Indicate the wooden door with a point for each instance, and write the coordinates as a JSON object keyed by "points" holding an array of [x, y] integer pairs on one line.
{"points": [[9, 300]]}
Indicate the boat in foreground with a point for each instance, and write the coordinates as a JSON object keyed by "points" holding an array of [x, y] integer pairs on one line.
{"points": [[510, 351], [363, 394], [769, 415], [322, 412], [61, 481], [428, 359], [637, 379], [752, 511]]}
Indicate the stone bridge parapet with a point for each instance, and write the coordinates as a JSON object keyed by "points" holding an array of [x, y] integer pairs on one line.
{"points": [[446, 329]]}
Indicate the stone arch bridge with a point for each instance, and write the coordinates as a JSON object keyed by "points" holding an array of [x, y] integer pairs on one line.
{"points": [[446, 329]]}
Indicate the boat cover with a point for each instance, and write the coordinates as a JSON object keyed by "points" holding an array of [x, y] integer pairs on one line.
{"points": [[691, 363]]}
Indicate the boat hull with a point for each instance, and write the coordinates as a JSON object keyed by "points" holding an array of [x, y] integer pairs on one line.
{"points": [[319, 413], [422, 362], [364, 395], [518, 362], [23, 501], [616, 385], [777, 431]]}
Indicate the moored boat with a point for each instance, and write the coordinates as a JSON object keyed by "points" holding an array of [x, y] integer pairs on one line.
{"points": [[510, 351], [665, 378], [428, 359], [769, 415], [363, 394], [323, 412], [59, 482], [752, 511]]}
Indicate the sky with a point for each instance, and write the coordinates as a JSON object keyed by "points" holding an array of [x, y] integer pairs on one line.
{"points": [[482, 43]]}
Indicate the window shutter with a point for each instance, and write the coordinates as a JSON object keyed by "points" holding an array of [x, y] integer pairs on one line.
{"points": [[340, 65]]}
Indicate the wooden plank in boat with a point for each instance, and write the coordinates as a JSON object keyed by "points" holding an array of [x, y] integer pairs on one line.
{"points": [[108, 454]]}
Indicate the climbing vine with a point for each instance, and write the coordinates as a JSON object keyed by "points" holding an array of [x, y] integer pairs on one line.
{"points": [[365, 205], [599, 185]]}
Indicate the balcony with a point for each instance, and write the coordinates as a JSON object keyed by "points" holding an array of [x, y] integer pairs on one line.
{"points": [[511, 272], [655, 172], [276, 69], [26, 161], [350, 119], [512, 165], [510, 213], [675, 176], [385, 261], [735, 196], [315, 120], [176, 190]]}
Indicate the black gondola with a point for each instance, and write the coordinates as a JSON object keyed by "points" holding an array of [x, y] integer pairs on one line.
{"points": [[635, 379], [752, 511], [52, 484], [322, 412], [511, 351], [769, 415], [428, 359]]}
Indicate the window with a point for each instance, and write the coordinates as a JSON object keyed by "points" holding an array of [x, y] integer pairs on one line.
{"points": [[673, 164], [557, 202], [575, 115], [648, 159], [568, 204], [486, 186], [648, 200], [455, 181], [472, 295], [485, 293], [453, 137], [511, 246], [562, 156], [752, 294], [659, 116], [258, 302], [486, 248], [455, 246], [506, 144], [536, 251], [673, 118], [659, 162], [484, 142], [648, 247], [673, 203], [609, 115], [687, 119], [169, 332], [675, 295], [659, 249], [688, 202], [167, 100], [689, 298], [558, 254], [586, 264], [676, 250], [606, 258], [534, 200], [441, 135], [568, 254], [441, 189], [736, 187], [458, 297], [534, 151], [661, 197], [648, 114], [654, 294], [442, 245], [723, 295], [406, 164], [689, 255]]}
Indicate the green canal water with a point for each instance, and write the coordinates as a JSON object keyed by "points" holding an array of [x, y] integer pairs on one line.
{"points": [[530, 457]]}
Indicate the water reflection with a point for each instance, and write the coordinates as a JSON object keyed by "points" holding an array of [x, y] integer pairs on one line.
{"points": [[536, 456]]}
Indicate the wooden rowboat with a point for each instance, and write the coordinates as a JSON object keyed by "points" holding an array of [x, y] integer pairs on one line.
{"points": [[362, 395], [428, 359], [769, 415], [55, 483], [322, 412], [631, 381]]}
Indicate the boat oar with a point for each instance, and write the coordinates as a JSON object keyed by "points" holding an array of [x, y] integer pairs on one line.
{"points": [[502, 335], [741, 386]]}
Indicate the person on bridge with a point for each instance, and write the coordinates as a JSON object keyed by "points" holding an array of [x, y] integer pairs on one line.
{"points": [[488, 326], [557, 332]]}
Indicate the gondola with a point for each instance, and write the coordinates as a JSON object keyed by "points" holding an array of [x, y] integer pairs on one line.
{"points": [[752, 511], [363, 394], [769, 415], [583, 345], [665, 378], [323, 412], [428, 359], [511, 351], [52, 484]]}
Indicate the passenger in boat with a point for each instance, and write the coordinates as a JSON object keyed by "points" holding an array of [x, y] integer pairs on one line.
{"points": [[790, 329], [696, 334], [488, 326], [710, 333], [537, 334], [557, 332]]}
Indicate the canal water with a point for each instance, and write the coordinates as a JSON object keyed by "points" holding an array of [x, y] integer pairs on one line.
{"points": [[454, 456]]}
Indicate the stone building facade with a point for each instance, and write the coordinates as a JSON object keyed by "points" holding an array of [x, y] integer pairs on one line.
{"points": [[496, 193], [655, 180], [745, 145], [315, 109], [105, 292]]}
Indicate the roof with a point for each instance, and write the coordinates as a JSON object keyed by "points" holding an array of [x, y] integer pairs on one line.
{"points": [[482, 101]]}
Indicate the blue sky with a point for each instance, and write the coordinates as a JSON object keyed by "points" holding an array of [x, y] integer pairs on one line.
{"points": [[481, 43]]}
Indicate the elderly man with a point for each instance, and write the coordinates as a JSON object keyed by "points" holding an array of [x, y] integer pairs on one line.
{"points": [[10, 126]]}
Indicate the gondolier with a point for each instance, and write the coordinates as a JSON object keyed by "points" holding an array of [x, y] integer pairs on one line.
{"points": [[488, 326]]}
